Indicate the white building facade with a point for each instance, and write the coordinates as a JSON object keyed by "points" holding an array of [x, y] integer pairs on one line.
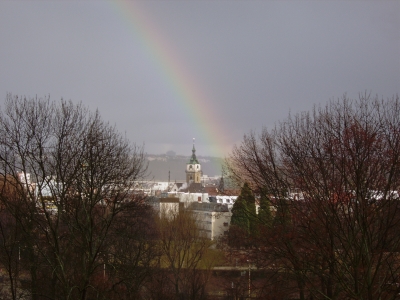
{"points": [[213, 219]]}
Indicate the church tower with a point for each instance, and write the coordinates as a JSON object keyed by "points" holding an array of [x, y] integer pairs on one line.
{"points": [[193, 169]]}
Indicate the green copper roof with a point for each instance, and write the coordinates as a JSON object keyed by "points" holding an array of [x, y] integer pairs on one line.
{"points": [[193, 159]]}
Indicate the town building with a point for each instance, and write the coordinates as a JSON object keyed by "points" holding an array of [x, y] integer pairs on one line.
{"points": [[213, 219]]}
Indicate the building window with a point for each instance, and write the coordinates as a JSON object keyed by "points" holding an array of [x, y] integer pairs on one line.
{"points": [[226, 224]]}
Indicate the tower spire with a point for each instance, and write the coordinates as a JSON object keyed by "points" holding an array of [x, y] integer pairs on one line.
{"points": [[193, 168], [193, 159]]}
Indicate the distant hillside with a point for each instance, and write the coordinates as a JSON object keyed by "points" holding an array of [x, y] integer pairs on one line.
{"points": [[159, 165]]}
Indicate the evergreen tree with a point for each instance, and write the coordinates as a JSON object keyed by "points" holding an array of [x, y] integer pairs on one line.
{"points": [[264, 212], [240, 217], [244, 211]]}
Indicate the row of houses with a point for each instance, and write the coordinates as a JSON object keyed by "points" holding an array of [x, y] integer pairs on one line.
{"points": [[212, 212]]}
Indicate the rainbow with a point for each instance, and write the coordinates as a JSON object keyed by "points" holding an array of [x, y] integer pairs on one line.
{"points": [[183, 84]]}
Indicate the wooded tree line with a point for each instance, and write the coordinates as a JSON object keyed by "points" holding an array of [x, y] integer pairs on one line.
{"points": [[72, 225], [332, 179]]}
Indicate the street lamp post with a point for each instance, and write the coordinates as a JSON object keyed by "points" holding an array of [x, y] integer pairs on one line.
{"points": [[249, 279], [104, 271]]}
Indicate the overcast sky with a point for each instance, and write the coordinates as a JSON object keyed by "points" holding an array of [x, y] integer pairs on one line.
{"points": [[165, 72]]}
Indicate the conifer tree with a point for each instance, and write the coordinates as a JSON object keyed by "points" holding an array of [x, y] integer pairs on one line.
{"points": [[240, 217], [264, 211], [244, 211]]}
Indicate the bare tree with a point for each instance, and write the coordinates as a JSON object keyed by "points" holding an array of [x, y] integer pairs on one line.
{"points": [[132, 257], [10, 237], [338, 168], [74, 174], [185, 254]]}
